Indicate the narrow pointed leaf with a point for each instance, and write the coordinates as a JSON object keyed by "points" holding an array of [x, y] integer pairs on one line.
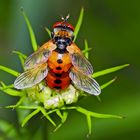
{"points": [[10, 71], [2, 85], [22, 61], [28, 107], [11, 92], [27, 118], [104, 86], [86, 49], [52, 111], [97, 115], [47, 116], [89, 124], [48, 31], [99, 99], [17, 104], [71, 107], [22, 113], [58, 126], [79, 23], [108, 83], [59, 113], [7, 87], [20, 54], [31, 32], [64, 117], [110, 70]]}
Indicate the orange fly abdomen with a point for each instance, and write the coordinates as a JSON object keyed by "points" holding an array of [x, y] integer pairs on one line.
{"points": [[57, 81], [58, 75]]}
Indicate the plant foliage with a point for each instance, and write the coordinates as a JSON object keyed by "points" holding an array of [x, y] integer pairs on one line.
{"points": [[62, 112]]}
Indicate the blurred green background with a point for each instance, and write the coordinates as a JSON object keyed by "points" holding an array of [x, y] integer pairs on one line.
{"points": [[112, 29]]}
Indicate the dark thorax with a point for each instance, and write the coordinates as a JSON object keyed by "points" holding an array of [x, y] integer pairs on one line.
{"points": [[62, 43], [62, 36]]}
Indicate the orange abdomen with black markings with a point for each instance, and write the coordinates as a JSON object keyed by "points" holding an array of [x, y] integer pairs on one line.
{"points": [[58, 75]]}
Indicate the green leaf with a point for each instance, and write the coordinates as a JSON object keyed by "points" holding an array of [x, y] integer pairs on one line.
{"points": [[90, 114], [40, 109], [58, 112], [65, 115], [89, 124], [21, 56], [105, 116], [10, 71], [37, 110], [110, 70], [11, 92], [104, 86], [22, 113], [47, 116], [97, 115], [28, 107], [71, 107], [2, 84], [108, 83], [99, 99], [86, 49], [27, 118], [6, 86], [31, 32], [93, 114], [63, 119], [22, 61], [79, 23], [52, 111], [17, 104], [48, 31], [8, 89]]}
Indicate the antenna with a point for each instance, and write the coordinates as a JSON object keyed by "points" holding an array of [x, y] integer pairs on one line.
{"points": [[66, 18]]}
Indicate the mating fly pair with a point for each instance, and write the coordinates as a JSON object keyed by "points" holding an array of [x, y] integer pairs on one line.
{"points": [[59, 62]]}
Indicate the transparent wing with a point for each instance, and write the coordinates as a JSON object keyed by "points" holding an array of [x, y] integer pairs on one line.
{"points": [[81, 63], [31, 77], [78, 60], [40, 56], [84, 82]]}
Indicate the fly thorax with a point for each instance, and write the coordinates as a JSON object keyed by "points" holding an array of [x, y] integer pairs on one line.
{"points": [[62, 43]]}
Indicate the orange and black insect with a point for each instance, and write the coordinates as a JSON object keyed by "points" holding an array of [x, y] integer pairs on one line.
{"points": [[59, 62]]}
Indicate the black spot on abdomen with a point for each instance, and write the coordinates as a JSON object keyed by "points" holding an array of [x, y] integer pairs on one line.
{"points": [[58, 68], [57, 81], [59, 61], [57, 87], [58, 74]]}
